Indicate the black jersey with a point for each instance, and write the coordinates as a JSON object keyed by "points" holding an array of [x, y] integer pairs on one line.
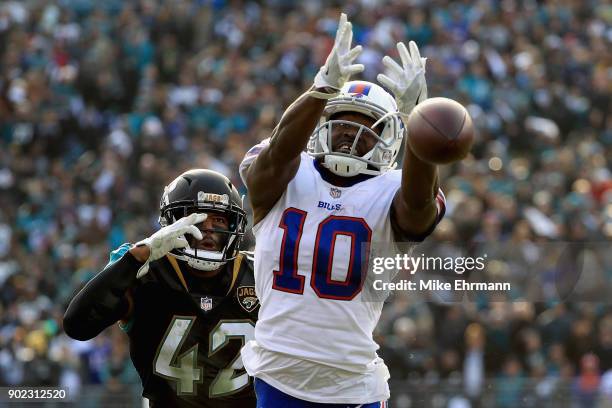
{"points": [[186, 334]]}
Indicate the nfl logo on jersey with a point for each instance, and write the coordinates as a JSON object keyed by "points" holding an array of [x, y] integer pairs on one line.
{"points": [[206, 303], [335, 192]]}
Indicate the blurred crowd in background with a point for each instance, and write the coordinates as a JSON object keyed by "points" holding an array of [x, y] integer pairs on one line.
{"points": [[104, 102]]}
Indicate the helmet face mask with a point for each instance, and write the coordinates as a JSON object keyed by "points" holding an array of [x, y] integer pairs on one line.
{"points": [[205, 191], [370, 100]]}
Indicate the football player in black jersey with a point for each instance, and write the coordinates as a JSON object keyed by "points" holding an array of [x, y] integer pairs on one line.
{"points": [[185, 296]]}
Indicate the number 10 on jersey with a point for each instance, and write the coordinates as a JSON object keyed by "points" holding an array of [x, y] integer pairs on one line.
{"points": [[287, 278]]}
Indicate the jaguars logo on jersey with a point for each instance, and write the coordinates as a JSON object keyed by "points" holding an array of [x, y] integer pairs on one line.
{"points": [[247, 298]]}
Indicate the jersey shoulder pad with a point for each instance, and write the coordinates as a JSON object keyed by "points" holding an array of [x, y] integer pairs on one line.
{"points": [[245, 288], [250, 157], [248, 260], [249, 255], [391, 177], [166, 271]]}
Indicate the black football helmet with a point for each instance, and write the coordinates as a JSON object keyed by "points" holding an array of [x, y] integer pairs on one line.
{"points": [[200, 190]]}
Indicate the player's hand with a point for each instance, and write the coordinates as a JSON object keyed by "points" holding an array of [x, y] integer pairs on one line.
{"points": [[339, 66], [406, 82], [170, 237]]}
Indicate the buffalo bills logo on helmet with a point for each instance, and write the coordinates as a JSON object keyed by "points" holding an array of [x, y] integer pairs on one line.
{"points": [[360, 88]]}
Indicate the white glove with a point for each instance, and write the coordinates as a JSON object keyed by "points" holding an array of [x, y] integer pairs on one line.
{"points": [[408, 81], [170, 237], [339, 66]]}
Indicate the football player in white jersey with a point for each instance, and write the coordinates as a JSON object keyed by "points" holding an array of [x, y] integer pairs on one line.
{"points": [[315, 216]]}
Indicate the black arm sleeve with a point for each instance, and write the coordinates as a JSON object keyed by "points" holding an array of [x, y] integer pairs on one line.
{"points": [[102, 301]]}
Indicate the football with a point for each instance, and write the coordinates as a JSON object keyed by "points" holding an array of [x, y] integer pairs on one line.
{"points": [[440, 131]]}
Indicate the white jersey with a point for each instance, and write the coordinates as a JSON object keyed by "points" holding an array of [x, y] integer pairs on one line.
{"points": [[310, 283]]}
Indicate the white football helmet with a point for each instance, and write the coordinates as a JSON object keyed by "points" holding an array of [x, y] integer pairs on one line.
{"points": [[371, 100]]}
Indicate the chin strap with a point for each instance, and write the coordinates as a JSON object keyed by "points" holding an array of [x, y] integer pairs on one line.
{"points": [[205, 266]]}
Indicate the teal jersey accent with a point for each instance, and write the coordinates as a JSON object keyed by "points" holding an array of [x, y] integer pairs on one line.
{"points": [[116, 255]]}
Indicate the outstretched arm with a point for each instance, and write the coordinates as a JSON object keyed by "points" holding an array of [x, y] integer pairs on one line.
{"points": [[415, 211], [103, 301], [415, 207], [268, 176]]}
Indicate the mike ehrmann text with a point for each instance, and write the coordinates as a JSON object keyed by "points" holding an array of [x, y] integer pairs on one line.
{"points": [[436, 284]]}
